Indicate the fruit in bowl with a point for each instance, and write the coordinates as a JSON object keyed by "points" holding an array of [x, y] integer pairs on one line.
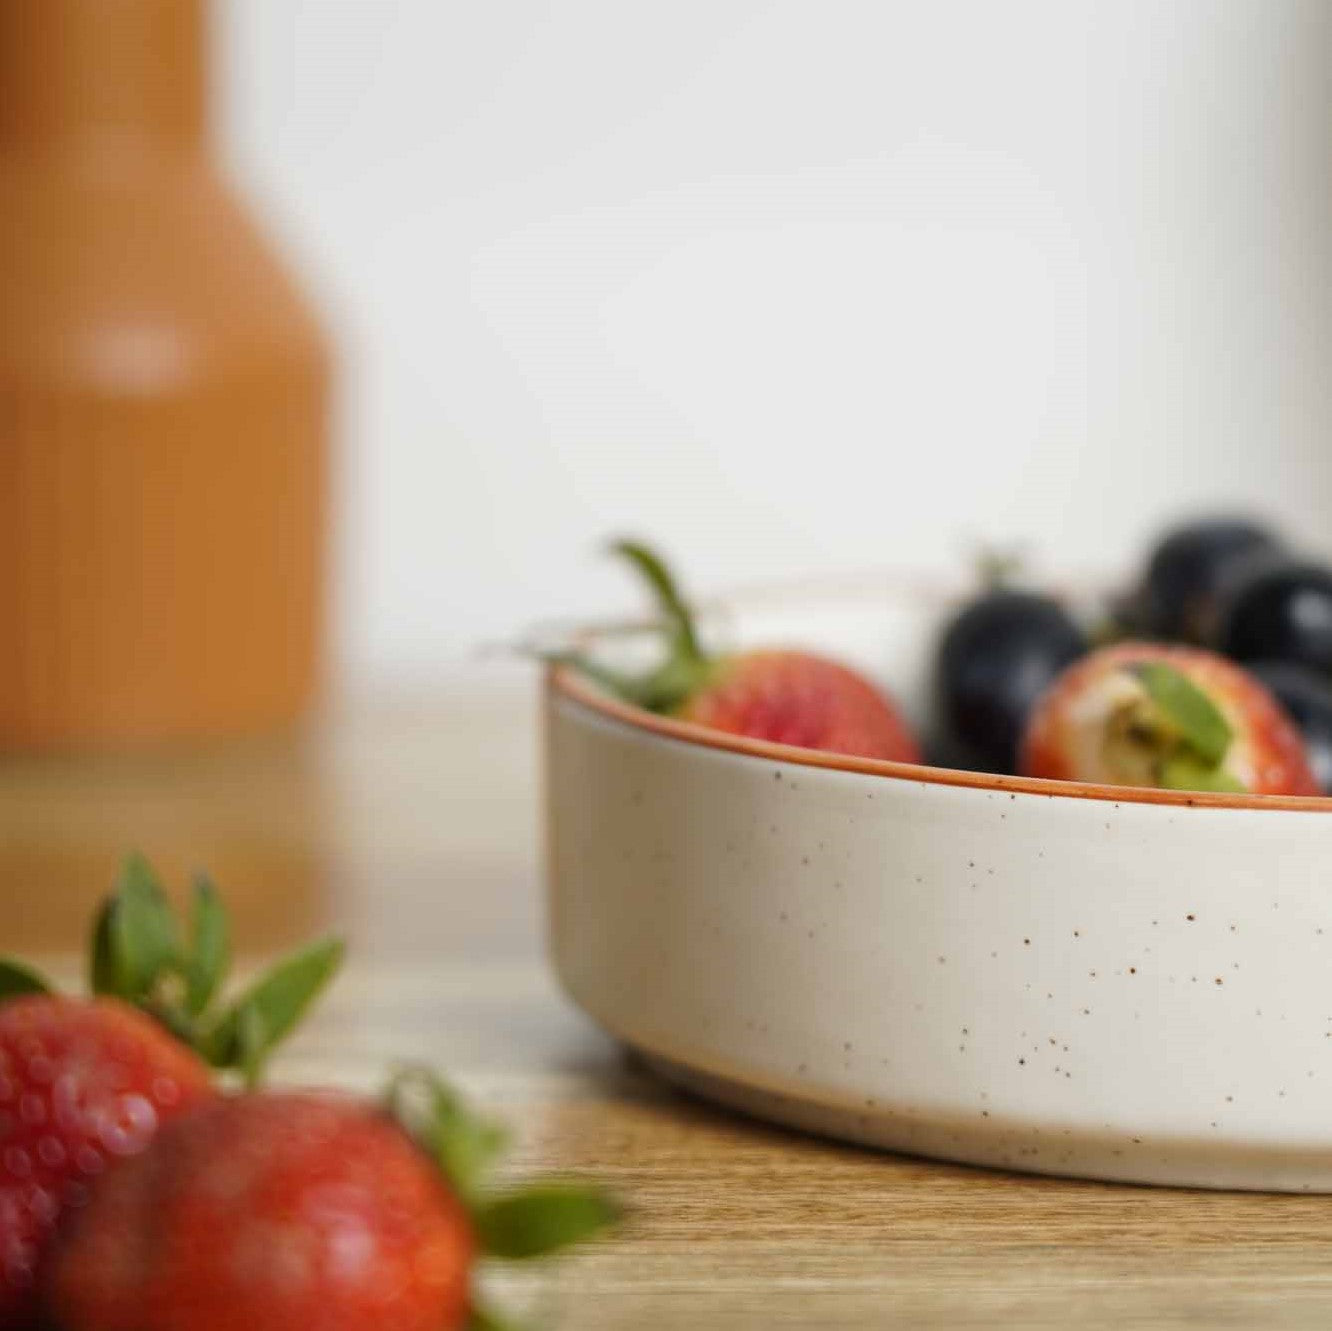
{"points": [[1169, 717], [995, 658], [1282, 611], [781, 695], [1190, 573], [1021, 687]]}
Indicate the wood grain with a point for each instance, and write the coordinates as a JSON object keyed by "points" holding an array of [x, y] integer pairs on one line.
{"points": [[412, 824]]}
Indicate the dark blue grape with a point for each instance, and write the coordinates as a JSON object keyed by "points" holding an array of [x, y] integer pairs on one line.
{"points": [[1189, 573], [1282, 612], [994, 660]]}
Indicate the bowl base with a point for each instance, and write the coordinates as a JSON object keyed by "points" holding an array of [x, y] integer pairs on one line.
{"points": [[1015, 1145]]}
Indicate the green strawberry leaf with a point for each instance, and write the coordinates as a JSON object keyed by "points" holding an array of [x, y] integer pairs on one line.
{"points": [[542, 1219], [138, 944], [268, 1011], [104, 976], [210, 949], [16, 979], [465, 1145], [144, 937], [1188, 709], [468, 1148], [1184, 772], [485, 1319]]}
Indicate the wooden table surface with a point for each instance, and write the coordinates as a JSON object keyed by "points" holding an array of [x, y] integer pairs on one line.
{"points": [[411, 824]]}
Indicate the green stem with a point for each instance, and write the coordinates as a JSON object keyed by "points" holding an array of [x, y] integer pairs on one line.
{"points": [[999, 568], [686, 666], [669, 601], [613, 681]]}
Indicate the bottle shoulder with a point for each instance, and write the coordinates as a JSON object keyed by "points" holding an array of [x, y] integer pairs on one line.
{"points": [[119, 276]]}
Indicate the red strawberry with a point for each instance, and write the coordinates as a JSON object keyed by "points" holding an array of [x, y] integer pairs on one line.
{"points": [[1177, 718], [796, 698], [85, 1083], [784, 696], [318, 1212], [270, 1211], [82, 1084]]}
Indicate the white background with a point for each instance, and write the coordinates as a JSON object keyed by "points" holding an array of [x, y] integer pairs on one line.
{"points": [[789, 286]]}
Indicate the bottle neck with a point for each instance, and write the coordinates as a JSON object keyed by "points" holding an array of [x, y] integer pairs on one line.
{"points": [[76, 71]]}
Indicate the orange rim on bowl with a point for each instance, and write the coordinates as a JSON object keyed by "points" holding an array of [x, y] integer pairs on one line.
{"points": [[567, 682]]}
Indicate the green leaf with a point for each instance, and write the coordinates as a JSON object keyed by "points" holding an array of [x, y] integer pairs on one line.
{"points": [[1188, 709], [468, 1148], [210, 947], [268, 1011], [17, 979], [485, 1319], [104, 963], [542, 1219], [465, 1145], [1184, 772], [144, 937]]}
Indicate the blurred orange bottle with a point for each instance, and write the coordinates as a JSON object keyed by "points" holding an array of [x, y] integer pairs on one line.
{"points": [[163, 392]]}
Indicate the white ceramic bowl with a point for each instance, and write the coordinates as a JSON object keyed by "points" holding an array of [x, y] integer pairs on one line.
{"points": [[1067, 979]]}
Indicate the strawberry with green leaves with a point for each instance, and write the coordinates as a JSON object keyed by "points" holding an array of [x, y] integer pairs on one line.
{"points": [[781, 695], [82, 1085], [142, 954], [86, 1083], [1174, 718], [320, 1212]]}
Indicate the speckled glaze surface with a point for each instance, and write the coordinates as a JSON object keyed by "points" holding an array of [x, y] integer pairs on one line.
{"points": [[1004, 973]]}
